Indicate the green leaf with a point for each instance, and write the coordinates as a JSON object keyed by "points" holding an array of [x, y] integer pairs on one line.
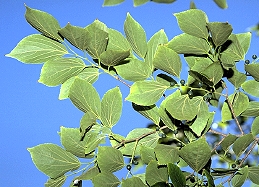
{"points": [[106, 179], [36, 48], [239, 179], [164, 1], [84, 96], [252, 109], [182, 107], [146, 92], [237, 78], [55, 72], [139, 2], [188, 44], [58, 182], [239, 102], [86, 123], [196, 154], [134, 70], [213, 72], [253, 70], [220, 32], [255, 126], [244, 40], [150, 112], [166, 80], [242, 143], [89, 74], [192, 5], [149, 141], [132, 182], [111, 107], [155, 174], [228, 141], [209, 178], [89, 174], [251, 87], [112, 57], [109, 159], [53, 160], [176, 175], [166, 154], [253, 174], [193, 22], [221, 3], [117, 41], [147, 154], [112, 2], [136, 36], [167, 60], [43, 22], [93, 140]]}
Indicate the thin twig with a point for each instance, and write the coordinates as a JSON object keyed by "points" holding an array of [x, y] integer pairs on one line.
{"points": [[216, 132]]}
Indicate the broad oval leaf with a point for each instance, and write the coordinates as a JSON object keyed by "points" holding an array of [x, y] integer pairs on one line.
{"points": [[112, 2], [147, 154], [252, 109], [155, 174], [167, 60], [43, 22], [188, 44], [132, 182], [240, 177], [53, 160], [166, 154], [242, 143], [146, 93], [113, 57], [58, 182], [228, 141], [84, 96], [176, 175], [55, 72], [106, 179], [150, 112], [237, 78], [109, 159], [36, 48], [255, 126], [244, 40], [193, 22], [136, 36], [89, 174], [253, 70], [253, 174], [251, 87], [111, 107], [196, 154]]}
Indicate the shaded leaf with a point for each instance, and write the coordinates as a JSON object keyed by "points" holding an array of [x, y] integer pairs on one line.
{"points": [[221, 3], [139, 2], [166, 154], [163, 1], [58, 182], [242, 143], [112, 2], [150, 112], [93, 140], [155, 174], [89, 174], [147, 154], [252, 109], [228, 141], [237, 79], [105, 179], [166, 80], [253, 70], [253, 174], [36, 48], [239, 179], [113, 57], [176, 175], [255, 126], [213, 72], [53, 160], [86, 123], [209, 178], [132, 182]]}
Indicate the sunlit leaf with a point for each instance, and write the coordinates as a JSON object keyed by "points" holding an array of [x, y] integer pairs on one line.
{"points": [[150, 112], [58, 182], [117, 41], [166, 154], [252, 109], [237, 78], [36, 48], [253, 174], [106, 179], [176, 175], [112, 2], [253, 70], [93, 140], [139, 2], [241, 144], [244, 40], [221, 3], [147, 154], [113, 57], [155, 174], [132, 182], [228, 141], [240, 177], [255, 126], [53, 160], [89, 174], [251, 87]]}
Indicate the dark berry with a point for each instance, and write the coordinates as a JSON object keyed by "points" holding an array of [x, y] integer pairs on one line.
{"points": [[238, 161], [179, 144], [254, 57], [172, 84], [162, 135], [200, 84], [192, 179], [175, 131], [205, 98], [209, 95], [128, 167], [190, 93], [228, 155], [233, 165], [182, 82], [135, 162], [247, 61], [157, 128]]}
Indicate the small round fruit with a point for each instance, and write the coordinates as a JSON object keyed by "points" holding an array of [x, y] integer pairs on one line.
{"points": [[238, 161], [172, 84], [76, 182], [190, 93], [228, 155], [175, 131], [200, 84], [247, 61], [182, 82], [157, 128], [254, 57], [128, 167], [192, 179], [233, 166], [135, 162], [209, 95]]}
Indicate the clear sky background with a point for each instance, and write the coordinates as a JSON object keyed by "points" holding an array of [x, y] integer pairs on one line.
{"points": [[31, 114]]}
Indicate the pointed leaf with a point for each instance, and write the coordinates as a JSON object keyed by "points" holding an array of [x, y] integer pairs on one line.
{"points": [[117, 41], [112, 2], [176, 175], [240, 177], [136, 36], [242, 143], [196, 154], [193, 22], [150, 112], [43, 22], [244, 40], [166, 154], [58, 182], [106, 179], [112, 57], [111, 107], [132, 182], [36, 48], [53, 160], [237, 78], [89, 174], [146, 92], [155, 174], [228, 141], [187, 44], [213, 72], [253, 70], [220, 32], [255, 126], [147, 154], [139, 2], [167, 60], [253, 174], [221, 3], [84, 96], [55, 72]]}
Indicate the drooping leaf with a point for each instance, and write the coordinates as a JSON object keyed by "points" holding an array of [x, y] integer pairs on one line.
{"points": [[228, 141], [237, 78], [167, 60], [193, 22], [36, 48], [220, 32], [139, 2], [244, 40], [188, 44], [112, 2], [55, 72], [252, 109], [150, 112], [136, 36], [58, 182], [242, 143], [109, 159], [240, 177], [176, 175], [86, 123], [155, 174], [253, 174], [253, 70], [196, 154], [113, 57], [255, 126], [43, 22], [239, 102], [132, 182], [221, 3], [111, 107], [90, 74], [84, 96], [147, 154], [106, 179], [53, 160], [166, 154]]}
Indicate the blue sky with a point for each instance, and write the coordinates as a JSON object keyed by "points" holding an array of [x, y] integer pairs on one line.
{"points": [[31, 113]]}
